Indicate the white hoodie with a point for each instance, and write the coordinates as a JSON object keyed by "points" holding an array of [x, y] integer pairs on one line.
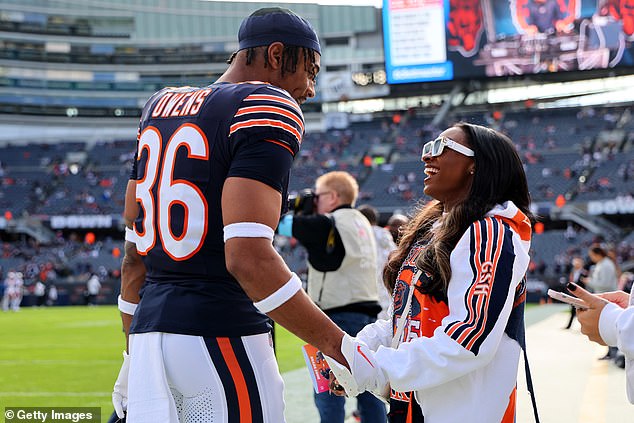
{"points": [[464, 367]]}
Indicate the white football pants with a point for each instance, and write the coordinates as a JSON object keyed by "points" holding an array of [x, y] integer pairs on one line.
{"points": [[190, 379]]}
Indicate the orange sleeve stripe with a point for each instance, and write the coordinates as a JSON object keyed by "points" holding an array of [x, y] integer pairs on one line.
{"points": [[281, 144], [266, 122], [451, 329], [244, 402], [479, 312], [482, 300], [271, 109], [484, 308], [256, 97]]}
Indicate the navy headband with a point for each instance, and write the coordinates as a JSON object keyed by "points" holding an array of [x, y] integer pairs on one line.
{"points": [[267, 26]]}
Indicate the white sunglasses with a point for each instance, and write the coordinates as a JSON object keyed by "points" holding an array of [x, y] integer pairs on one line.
{"points": [[436, 147]]}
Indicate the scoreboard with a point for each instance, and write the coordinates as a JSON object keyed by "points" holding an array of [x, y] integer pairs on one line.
{"points": [[443, 40]]}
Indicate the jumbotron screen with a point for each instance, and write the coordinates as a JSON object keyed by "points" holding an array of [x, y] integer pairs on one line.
{"points": [[441, 40]]}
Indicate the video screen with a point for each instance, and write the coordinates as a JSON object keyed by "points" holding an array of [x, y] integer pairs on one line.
{"points": [[441, 40]]}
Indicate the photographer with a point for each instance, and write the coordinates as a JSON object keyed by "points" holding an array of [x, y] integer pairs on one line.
{"points": [[342, 268]]}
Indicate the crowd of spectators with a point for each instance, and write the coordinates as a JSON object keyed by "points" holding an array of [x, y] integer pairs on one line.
{"points": [[71, 259], [565, 248], [576, 153]]}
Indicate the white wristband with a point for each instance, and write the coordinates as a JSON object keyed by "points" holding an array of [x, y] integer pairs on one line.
{"points": [[126, 307], [279, 297], [248, 230], [130, 235]]}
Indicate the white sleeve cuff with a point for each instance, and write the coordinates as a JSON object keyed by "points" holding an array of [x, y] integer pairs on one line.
{"points": [[130, 235], [607, 323], [279, 297], [126, 306], [248, 230]]}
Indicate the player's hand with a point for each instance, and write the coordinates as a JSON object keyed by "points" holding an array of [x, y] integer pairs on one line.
{"points": [[364, 374], [334, 387], [120, 391], [589, 318]]}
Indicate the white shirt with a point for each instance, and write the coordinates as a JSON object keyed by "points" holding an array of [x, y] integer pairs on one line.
{"points": [[616, 327]]}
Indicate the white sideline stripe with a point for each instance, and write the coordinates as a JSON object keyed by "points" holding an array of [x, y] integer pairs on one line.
{"points": [[55, 394], [594, 403], [8, 362]]}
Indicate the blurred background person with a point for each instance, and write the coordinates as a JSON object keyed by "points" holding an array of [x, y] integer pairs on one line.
{"points": [[7, 288], [602, 279], [384, 246], [394, 224], [342, 263], [578, 273], [39, 291], [51, 298], [93, 286], [13, 291]]}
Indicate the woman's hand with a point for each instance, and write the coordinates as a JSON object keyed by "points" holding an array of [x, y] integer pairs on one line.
{"points": [[620, 298], [589, 318]]}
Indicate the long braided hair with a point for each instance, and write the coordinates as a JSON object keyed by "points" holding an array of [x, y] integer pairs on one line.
{"points": [[499, 177]]}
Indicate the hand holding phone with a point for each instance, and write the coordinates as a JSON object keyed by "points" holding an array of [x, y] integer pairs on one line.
{"points": [[568, 299]]}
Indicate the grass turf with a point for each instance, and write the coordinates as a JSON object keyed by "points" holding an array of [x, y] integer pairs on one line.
{"points": [[70, 356]]}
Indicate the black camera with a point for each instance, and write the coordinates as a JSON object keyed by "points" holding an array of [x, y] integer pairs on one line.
{"points": [[302, 203]]}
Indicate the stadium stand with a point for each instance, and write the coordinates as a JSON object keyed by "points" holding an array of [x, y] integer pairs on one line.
{"points": [[74, 76]]}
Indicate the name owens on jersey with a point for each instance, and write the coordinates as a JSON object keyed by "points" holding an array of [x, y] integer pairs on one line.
{"points": [[190, 141]]}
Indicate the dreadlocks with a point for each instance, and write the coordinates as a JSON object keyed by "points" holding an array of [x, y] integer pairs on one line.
{"points": [[290, 57]]}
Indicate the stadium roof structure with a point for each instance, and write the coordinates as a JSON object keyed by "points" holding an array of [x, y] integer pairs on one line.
{"points": [[184, 21]]}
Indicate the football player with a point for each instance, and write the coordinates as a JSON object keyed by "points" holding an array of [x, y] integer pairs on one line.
{"points": [[212, 172]]}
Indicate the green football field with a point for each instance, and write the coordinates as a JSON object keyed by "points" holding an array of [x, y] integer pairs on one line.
{"points": [[70, 356]]}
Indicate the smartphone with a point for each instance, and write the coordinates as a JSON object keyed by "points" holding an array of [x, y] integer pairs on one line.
{"points": [[568, 299]]}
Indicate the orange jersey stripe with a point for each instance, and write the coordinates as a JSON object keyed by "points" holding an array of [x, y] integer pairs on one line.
{"points": [[271, 109], [281, 144], [244, 401]]}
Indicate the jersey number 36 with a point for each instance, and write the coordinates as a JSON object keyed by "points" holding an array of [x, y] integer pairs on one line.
{"points": [[170, 192]]}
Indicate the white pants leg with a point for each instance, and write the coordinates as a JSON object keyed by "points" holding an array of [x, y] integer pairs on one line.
{"points": [[205, 380]]}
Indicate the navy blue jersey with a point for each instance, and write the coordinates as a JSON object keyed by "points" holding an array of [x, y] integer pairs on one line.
{"points": [[190, 141]]}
